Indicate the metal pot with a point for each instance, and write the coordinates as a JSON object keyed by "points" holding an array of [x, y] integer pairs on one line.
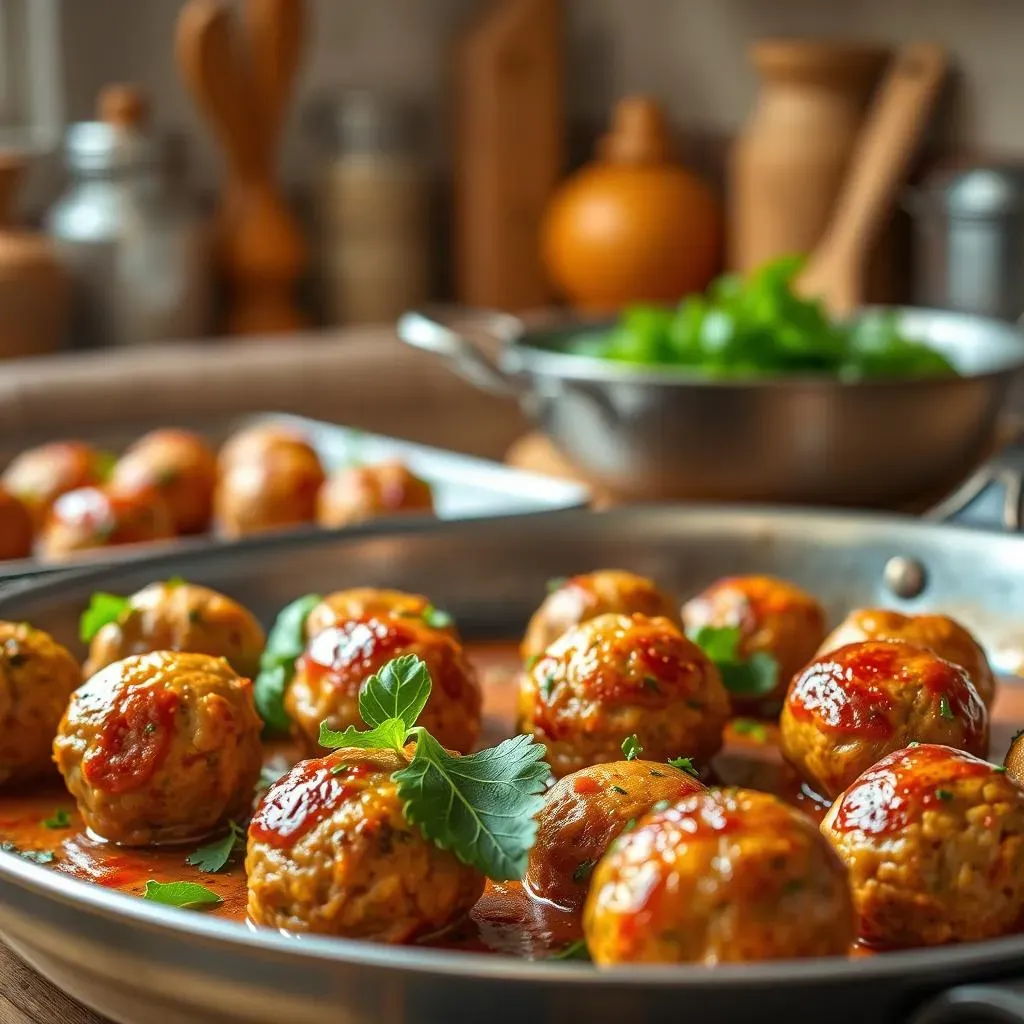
{"points": [[656, 434]]}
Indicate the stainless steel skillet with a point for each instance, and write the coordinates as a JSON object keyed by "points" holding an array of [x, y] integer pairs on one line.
{"points": [[138, 962]]}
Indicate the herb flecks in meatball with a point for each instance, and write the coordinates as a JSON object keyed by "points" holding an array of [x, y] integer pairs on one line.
{"points": [[161, 747], [934, 841], [617, 676], [852, 706], [719, 876]]}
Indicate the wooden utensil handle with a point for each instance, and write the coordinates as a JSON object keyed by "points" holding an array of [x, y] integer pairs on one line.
{"points": [[887, 143]]}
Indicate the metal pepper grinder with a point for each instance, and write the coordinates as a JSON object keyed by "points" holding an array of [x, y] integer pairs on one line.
{"points": [[135, 248]]}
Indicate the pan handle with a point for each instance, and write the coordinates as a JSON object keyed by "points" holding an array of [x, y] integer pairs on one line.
{"points": [[993, 1003], [429, 333]]}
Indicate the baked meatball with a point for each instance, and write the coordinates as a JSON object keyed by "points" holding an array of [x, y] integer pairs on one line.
{"points": [[584, 812], [573, 601], [939, 633], [934, 842], [617, 675], [330, 851], [37, 676], [41, 475], [270, 488], [1014, 760], [181, 467], [161, 748], [100, 517], [337, 662], [359, 493], [16, 527], [719, 876], [251, 443], [178, 616], [343, 605], [771, 615], [852, 706]]}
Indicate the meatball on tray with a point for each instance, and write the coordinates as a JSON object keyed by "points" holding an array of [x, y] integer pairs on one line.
{"points": [[112, 498], [751, 764]]}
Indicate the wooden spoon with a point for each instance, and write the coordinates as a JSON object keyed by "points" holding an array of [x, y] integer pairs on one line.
{"points": [[887, 143]]}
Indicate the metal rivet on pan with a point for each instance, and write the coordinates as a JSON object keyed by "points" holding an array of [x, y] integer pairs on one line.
{"points": [[905, 577]]}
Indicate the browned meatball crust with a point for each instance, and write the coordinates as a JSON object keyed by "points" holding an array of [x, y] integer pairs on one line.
{"points": [[330, 851], [358, 602], [772, 616], [939, 633], [617, 675], [179, 616], [339, 660], [251, 443], [720, 876], [181, 467], [37, 677], [16, 529], [852, 706], [575, 600], [93, 518], [39, 476], [934, 842], [584, 812], [161, 748], [358, 493]]}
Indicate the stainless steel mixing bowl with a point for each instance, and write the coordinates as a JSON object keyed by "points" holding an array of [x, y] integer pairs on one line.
{"points": [[657, 434]]}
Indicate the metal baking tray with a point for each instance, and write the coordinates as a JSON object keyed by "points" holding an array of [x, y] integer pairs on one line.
{"points": [[465, 487]]}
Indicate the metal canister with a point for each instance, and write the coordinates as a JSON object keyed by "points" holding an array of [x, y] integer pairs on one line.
{"points": [[969, 241], [135, 248]]}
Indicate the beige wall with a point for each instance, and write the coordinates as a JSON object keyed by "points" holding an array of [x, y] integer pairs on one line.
{"points": [[689, 52]]}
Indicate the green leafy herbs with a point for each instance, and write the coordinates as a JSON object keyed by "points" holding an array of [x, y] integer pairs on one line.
{"points": [[759, 326], [59, 819], [582, 871], [105, 463], [286, 641], [944, 794], [574, 951], [436, 618], [480, 806], [945, 709], [180, 894], [1000, 768], [751, 677], [684, 764], [556, 583], [214, 856], [174, 582], [751, 728], [619, 790], [35, 856], [103, 609], [631, 748], [532, 660]]}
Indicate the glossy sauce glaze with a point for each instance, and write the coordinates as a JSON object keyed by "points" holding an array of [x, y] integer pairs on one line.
{"points": [[505, 920], [342, 656]]}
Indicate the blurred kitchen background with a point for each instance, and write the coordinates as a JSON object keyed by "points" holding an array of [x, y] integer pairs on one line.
{"points": [[407, 151]]}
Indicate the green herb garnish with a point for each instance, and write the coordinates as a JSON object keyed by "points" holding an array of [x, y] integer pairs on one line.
{"points": [[480, 806], [684, 764], [532, 660], [35, 856], [574, 951], [103, 609], [582, 872], [944, 709], [104, 464], [180, 894], [175, 581], [750, 727], [213, 856], [547, 686], [286, 641], [631, 748], [59, 819], [944, 794], [436, 618], [999, 768], [755, 676], [556, 583], [619, 790], [662, 805], [650, 683]]}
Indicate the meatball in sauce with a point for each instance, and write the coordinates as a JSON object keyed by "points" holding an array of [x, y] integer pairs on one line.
{"points": [[344, 605], [360, 493], [39, 476], [16, 527]]}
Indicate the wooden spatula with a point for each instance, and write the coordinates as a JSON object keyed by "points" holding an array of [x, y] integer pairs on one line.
{"points": [[887, 143]]}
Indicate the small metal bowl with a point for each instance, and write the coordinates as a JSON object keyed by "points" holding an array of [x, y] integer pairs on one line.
{"points": [[669, 434]]}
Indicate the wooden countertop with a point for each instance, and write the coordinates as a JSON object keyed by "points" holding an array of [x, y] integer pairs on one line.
{"points": [[27, 998]]}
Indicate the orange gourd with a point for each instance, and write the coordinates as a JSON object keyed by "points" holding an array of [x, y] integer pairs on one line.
{"points": [[634, 225]]}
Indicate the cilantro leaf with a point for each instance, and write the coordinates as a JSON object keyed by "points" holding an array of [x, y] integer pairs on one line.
{"points": [[59, 819], [436, 618], [631, 748], [556, 583], [285, 642], [389, 735], [944, 708], [684, 764], [482, 806], [213, 856], [180, 894], [750, 727], [103, 609], [574, 951], [719, 643], [755, 676], [400, 690]]}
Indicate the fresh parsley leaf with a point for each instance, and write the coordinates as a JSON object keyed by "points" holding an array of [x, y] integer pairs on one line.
{"points": [[103, 609], [755, 676], [175, 581], [663, 805], [574, 951], [213, 856], [286, 641], [532, 660], [944, 709], [436, 618], [180, 894], [619, 790], [35, 856], [59, 819], [104, 465], [547, 686], [650, 683], [684, 764], [750, 727], [719, 643], [556, 583], [481, 806], [389, 735], [400, 690], [944, 794], [582, 872], [631, 748], [999, 768]]}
